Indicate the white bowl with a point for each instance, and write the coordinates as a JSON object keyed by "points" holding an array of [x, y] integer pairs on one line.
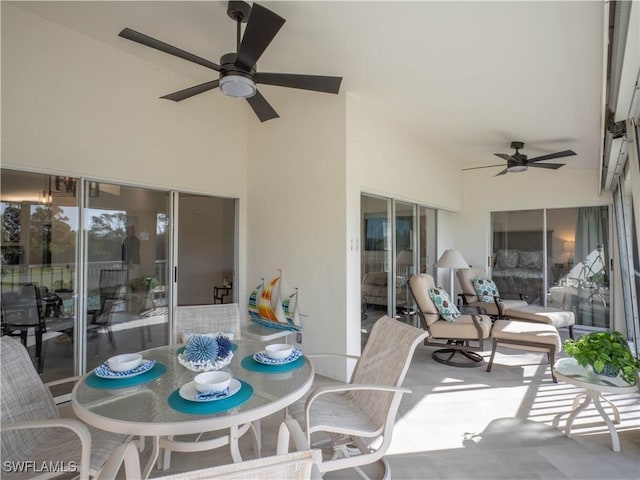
{"points": [[209, 382], [124, 362], [278, 351]]}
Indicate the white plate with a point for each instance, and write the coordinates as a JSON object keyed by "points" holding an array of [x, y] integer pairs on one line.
{"points": [[188, 391], [103, 371], [262, 357]]}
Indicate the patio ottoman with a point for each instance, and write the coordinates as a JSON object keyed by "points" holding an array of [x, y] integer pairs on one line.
{"points": [[532, 336], [550, 316]]}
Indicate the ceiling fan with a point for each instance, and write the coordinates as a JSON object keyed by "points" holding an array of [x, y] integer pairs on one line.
{"points": [[238, 75], [520, 163]]}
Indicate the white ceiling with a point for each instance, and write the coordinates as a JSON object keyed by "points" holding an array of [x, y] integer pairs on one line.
{"points": [[469, 77]]}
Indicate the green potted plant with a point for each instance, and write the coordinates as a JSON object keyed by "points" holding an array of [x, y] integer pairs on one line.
{"points": [[607, 352]]}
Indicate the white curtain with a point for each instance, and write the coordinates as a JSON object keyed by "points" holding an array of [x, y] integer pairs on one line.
{"points": [[592, 234]]}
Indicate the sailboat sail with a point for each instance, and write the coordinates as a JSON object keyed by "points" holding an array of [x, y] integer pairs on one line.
{"points": [[254, 313], [290, 307], [266, 307]]}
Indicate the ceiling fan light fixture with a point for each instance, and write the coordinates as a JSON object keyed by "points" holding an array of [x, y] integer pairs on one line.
{"points": [[237, 86], [517, 168]]}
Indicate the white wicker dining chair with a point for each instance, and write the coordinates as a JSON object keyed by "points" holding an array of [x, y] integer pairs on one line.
{"points": [[33, 432], [290, 466], [358, 416], [207, 319], [204, 319]]}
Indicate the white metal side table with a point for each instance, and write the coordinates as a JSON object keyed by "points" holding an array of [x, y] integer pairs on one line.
{"points": [[568, 370]]}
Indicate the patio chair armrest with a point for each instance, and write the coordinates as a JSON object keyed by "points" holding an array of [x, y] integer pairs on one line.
{"points": [[76, 426], [499, 305], [476, 323], [463, 296], [328, 355]]}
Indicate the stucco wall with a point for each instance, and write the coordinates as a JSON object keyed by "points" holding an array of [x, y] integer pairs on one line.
{"points": [[296, 210]]}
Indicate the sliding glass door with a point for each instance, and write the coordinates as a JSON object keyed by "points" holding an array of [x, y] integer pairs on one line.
{"points": [[39, 274], [398, 241], [375, 258], [557, 258], [405, 256], [205, 249], [126, 269]]}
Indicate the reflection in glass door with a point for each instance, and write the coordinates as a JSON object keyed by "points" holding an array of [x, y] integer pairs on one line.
{"points": [[427, 240], [518, 254], [578, 254], [567, 267], [39, 232], [374, 260], [126, 271], [205, 250], [404, 255]]}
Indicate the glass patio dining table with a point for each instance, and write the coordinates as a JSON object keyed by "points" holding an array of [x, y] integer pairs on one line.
{"points": [[154, 407]]}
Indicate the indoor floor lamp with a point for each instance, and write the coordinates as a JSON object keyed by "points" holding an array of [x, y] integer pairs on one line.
{"points": [[453, 260]]}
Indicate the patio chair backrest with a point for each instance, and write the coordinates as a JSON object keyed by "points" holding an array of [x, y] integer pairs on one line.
{"points": [[419, 286], [207, 319], [24, 396], [465, 277], [384, 361]]}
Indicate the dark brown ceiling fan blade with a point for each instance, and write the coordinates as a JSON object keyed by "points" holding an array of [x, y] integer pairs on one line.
{"points": [[486, 166], [261, 107], [317, 83], [502, 172], [553, 166], [191, 91], [565, 153], [166, 48], [262, 27], [504, 156]]}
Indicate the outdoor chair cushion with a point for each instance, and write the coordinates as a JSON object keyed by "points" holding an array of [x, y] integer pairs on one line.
{"points": [[486, 289], [446, 308]]}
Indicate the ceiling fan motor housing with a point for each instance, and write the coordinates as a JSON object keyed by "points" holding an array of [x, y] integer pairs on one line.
{"points": [[228, 67], [238, 10]]}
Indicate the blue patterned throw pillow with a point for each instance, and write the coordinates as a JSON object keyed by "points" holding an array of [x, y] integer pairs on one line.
{"points": [[443, 303], [485, 289]]}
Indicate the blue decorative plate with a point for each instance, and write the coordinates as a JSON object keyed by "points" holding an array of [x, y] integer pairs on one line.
{"points": [[103, 371], [262, 357]]}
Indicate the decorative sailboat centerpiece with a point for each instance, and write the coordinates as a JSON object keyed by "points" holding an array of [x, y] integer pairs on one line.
{"points": [[267, 308]]}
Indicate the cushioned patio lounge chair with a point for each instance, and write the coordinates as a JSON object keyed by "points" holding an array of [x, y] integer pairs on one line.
{"points": [[454, 335], [513, 309], [496, 308]]}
